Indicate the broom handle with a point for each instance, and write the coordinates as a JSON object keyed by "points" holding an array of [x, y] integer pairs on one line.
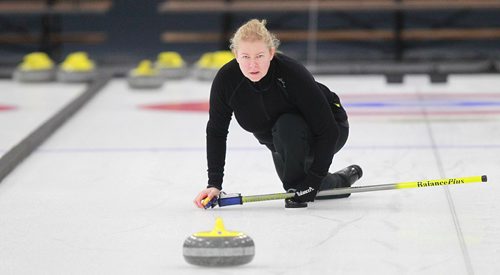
{"points": [[358, 189]]}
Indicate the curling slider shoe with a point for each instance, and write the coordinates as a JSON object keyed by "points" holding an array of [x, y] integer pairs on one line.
{"points": [[76, 68], [290, 203], [218, 247], [209, 64], [144, 76], [171, 65], [342, 178], [36, 67]]}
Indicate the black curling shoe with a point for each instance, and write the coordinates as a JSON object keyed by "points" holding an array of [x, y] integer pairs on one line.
{"points": [[292, 203], [342, 178]]}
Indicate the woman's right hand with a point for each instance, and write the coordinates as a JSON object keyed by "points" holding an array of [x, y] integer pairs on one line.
{"points": [[207, 194]]}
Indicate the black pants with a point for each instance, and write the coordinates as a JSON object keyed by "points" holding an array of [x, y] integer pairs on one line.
{"points": [[291, 145]]}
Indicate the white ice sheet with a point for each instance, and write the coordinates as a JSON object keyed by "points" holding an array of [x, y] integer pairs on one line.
{"points": [[111, 192]]}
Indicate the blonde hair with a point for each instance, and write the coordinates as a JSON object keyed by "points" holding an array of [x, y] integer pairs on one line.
{"points": [[254, 30]]}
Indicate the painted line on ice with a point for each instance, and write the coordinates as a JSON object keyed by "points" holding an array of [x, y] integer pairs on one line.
{"points": [[249, 149], [376, 107], [414, 104]]}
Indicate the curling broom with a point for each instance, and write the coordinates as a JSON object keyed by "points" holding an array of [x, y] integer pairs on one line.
{"points": [[236, 198]]}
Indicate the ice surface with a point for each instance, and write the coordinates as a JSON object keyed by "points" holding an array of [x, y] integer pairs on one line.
{"points": [[111, 191]]}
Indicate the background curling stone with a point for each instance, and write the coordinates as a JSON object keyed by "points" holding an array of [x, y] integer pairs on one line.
{"points": [[77, 67], [218, 247], [144, 76], [202, 69], [209, 64], [170, 65], [36, 67]]}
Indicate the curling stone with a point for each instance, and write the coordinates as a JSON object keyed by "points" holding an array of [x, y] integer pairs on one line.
{"points": [[36, 67], [209, 64], [77, 67], [218, 247], [170, 65], [144, 76], [202, 66]]}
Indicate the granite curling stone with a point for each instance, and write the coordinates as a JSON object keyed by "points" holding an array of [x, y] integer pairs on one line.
{"points": [[218, 247], [76, 68], [171, 65], [144, 76], [36, 67], [209, 64]]}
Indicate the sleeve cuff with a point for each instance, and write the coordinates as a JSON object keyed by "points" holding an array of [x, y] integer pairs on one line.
{"points": [[215, 186]]}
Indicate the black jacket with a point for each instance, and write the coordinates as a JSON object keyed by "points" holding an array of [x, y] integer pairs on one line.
{"points": [[288, 87]]}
